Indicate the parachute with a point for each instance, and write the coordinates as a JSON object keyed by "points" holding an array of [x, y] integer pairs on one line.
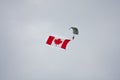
{"points": [[75, 31]]}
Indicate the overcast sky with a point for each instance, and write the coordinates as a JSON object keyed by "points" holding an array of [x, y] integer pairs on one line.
{"points": [[26, 24]]}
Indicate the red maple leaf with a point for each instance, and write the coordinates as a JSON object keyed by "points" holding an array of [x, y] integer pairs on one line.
{"points": [[58, 41]]}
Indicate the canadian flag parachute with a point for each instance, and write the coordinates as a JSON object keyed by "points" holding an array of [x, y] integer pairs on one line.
{"points": [[60, 42]]}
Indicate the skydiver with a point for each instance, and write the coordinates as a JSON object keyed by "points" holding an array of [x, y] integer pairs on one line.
{"points": [[73, 38]]}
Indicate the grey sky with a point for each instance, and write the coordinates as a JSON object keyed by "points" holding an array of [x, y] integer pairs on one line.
{"points": [[26, 24]]}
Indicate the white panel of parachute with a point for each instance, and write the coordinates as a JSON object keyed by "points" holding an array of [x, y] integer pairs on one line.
{"points": [[75, 31]]}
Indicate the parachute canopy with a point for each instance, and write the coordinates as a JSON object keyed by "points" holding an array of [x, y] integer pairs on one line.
{"points": [[75, 30]]}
